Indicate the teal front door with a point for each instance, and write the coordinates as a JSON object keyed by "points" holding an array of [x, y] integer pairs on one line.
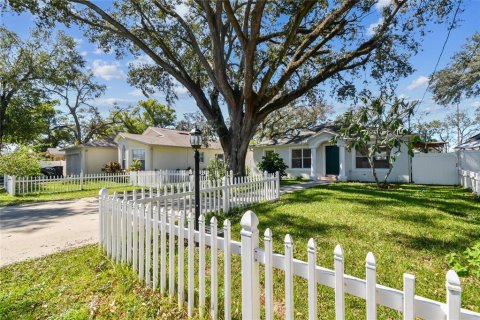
{"points": [[332, 162]]}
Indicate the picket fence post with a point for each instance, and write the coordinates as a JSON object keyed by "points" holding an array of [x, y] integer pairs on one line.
{"points": [[13, 185], [277, 185], [265, 185], [81, 180], [250, 267], [454, 293], [102, 194], [226, 195]]}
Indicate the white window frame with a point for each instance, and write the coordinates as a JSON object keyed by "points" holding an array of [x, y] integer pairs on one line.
{"points": [[144, 155], [291, 157], [354, 162], [268, 150]]}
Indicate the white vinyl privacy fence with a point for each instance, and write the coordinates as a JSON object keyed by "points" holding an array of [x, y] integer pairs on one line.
{"points": [[156, 236], [470, 180]]}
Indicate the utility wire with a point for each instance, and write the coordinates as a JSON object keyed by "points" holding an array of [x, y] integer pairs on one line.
{"points": [[441, 52]]}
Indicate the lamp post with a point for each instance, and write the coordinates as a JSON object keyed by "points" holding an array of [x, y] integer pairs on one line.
{"points": [[196, 143]]}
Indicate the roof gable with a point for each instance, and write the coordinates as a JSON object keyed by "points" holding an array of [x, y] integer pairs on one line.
{"points": [[164, 137]]}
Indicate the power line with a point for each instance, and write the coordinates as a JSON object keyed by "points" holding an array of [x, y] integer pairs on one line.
{"points": [[441, 52]]}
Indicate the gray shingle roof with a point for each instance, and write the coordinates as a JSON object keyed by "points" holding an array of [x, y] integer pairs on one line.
{"points": [[101, 143], [165, 137], [55, 151]]}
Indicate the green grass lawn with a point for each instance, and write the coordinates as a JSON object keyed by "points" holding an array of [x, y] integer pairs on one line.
{"points": [[409, 229], [8, 200], [292, 181]]}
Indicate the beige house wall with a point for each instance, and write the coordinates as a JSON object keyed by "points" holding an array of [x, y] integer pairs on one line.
{"points": [[96, 158], [164, 157]]}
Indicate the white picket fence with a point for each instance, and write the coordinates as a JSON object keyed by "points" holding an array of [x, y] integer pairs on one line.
{"points": [[42, 184], [470, 180], [145, 232], [215, 196], [21, 186], [162, 177]]}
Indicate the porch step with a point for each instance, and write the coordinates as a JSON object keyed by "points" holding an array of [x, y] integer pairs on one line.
{"points": [[329, 177]]}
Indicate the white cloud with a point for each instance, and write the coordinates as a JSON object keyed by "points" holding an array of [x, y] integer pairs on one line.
{"points": [[373, 27], [476, 104], [110, 102], [382, 4], [179, 88], [78, 41], [106, 70], [417, 83], [136, 93], [83, 53], [182, 9], [141, 59]]}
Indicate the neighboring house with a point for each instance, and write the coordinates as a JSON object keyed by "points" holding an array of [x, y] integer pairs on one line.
{"points": [[159, 148], [90, 157], [472, 143], [312, 155], [430, 147], [55, 154]]}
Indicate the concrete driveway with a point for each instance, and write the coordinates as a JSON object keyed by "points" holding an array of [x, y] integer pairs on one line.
{"points": [[34, 230]]}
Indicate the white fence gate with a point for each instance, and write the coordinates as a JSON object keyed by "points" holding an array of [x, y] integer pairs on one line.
{"points": [[435, 168], [146, 232]]}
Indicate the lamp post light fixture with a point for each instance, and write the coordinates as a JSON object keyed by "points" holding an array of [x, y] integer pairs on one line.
{"points": [[196, 143]]}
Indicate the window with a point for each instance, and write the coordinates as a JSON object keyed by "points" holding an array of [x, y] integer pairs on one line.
{"points": [[301, 158], [202, 157], [380, 160], [219, 156], [139, 154], [124, 158], [268, 152]]}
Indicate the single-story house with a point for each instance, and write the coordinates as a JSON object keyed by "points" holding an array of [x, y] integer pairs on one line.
{"points": [[90, 157], [312, 155], [163, 149], [55, 154]]}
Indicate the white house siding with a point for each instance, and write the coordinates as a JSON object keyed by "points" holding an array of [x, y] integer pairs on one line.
{"points": [[285, 154], [400, 171], [96, 158]]}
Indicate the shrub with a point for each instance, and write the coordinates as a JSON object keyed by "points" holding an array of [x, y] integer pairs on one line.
{"points": [[21, 163], [217, 169], [466, 263], [272, 162], [112, 167], [136, 165]]}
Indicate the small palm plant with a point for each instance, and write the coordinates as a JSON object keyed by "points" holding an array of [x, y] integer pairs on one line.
{"points": [[136, 165]]}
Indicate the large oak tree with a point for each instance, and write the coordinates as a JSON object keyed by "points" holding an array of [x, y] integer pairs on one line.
{"points": [[26, 65], [253, 57]]}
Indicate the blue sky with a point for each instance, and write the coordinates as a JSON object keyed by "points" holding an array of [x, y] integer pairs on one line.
{"points": [[113, 73]]}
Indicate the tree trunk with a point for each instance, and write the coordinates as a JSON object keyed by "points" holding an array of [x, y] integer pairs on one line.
{"points": [[235, 144], [371, 161], [3, 111]]}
